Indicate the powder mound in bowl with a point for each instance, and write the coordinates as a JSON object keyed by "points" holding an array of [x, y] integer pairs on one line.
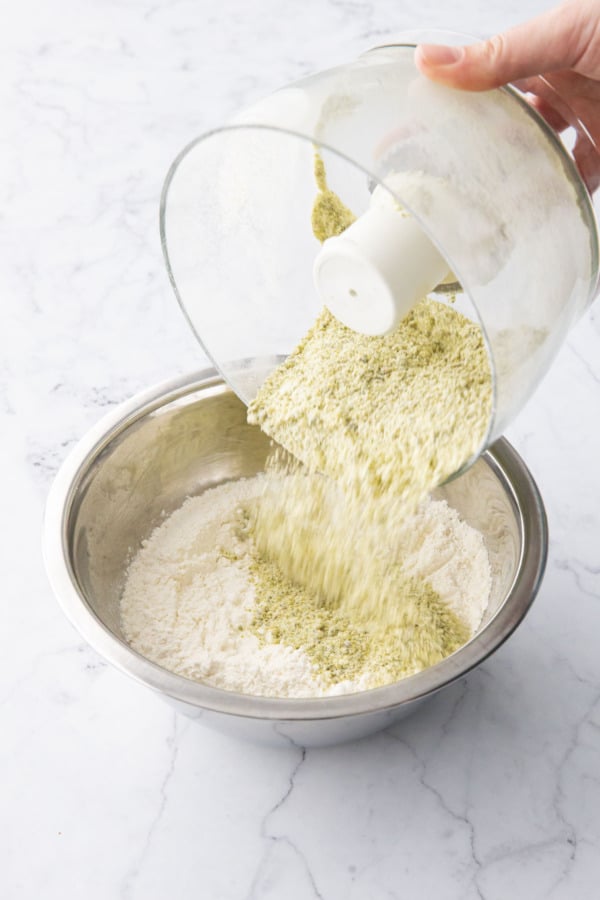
{"points": [[203, 600]]}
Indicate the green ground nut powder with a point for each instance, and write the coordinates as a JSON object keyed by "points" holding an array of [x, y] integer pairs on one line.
{"points": [[396, 413], [426, 631], [329, 215], [325, 572], [399, 413], [378, 422]]}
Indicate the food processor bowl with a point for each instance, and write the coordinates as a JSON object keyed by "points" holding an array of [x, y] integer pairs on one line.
{"points": [[496, 190]]}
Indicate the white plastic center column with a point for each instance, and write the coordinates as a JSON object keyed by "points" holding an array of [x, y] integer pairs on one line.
{"points": [[371, 275]]}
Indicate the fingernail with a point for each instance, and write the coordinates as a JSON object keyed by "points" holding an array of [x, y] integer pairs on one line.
{"points": [[438, 55]]}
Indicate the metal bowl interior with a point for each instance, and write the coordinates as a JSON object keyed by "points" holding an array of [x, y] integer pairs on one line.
{"points": [[146, 457]]}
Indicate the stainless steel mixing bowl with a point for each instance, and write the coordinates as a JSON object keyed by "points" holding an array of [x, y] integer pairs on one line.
{"points": [[190, 434]]}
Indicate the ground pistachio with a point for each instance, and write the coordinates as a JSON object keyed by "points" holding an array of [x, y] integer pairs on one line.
{"points": [[377, 422]]}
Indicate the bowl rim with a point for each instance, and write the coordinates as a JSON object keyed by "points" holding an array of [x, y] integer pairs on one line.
{"points": [[501, 458]]}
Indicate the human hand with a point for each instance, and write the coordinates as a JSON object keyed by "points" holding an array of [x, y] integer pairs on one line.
{"points": [[563, 46]]}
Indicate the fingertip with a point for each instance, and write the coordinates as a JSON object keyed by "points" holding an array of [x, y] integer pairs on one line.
{"points": [[436, 56], [419, 59], [440, 63], [456, 67]]}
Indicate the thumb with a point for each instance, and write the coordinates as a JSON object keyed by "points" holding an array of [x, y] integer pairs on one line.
{"points": [[555, 40]]}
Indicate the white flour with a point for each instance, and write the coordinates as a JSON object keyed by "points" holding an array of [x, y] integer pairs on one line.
{"points": [[187, 604]]}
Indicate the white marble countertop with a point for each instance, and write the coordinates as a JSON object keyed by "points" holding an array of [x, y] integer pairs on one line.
{"points": [[492, 790]]}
